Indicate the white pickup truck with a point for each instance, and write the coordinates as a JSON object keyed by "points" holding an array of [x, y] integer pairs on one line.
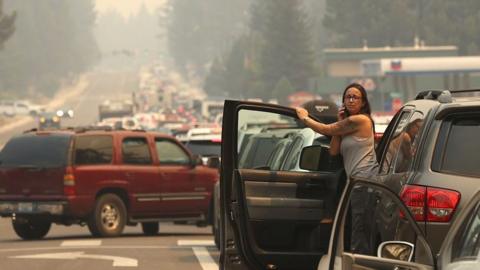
{"points": [[19, 107]]}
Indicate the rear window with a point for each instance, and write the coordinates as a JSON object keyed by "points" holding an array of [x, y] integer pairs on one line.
{"points": [[462, 150], [204, 148], [90, 150], [36, 151]]}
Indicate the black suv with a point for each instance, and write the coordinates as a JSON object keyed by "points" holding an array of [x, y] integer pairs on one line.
{"points": [[283, 219]]}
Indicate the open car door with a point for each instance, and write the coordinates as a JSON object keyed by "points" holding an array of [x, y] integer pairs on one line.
{"points": [[375, 230], [274, 213]]}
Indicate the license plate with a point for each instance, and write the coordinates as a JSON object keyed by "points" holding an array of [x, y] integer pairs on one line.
{"points": [[25, 207]]}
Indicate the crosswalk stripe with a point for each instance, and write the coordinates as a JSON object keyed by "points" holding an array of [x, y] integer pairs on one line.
{"points": [[204, 258], [81, 243], [195, 243]]}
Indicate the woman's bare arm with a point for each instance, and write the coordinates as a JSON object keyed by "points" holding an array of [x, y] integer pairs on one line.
{"points": [[335, 145], [344, 127]]}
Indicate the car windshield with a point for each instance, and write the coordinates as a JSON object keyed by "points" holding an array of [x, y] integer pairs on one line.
{"points": [[36, 151], [204, 148]]}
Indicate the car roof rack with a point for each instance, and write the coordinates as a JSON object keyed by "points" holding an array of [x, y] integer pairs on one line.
{"points": [[443, 95], [92, 128], [30, 130], [429, 94], [84, 129]]}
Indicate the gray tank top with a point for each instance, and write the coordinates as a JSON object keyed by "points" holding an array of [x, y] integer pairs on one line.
{"points": [[359, 156]]}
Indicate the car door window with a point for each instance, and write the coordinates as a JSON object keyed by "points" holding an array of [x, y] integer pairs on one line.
{"points": [[135, 151], [170, 152], [462, 151], [277, 156], [293, 156], [394, 144], [409, 143], [90, 150], [375, 215], [263, 134], [466, 244]]}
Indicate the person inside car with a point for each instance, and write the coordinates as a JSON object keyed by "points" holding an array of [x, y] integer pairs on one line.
{"points": [[353, 138]]}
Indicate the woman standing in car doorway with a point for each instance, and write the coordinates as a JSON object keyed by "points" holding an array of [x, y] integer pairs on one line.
{"points": [[353, 138]]}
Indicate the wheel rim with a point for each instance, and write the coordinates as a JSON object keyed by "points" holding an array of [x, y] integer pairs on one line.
{"points": [[110, 217]]}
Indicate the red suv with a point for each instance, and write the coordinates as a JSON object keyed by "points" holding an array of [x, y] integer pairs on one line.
{"points": [[105, 179]]}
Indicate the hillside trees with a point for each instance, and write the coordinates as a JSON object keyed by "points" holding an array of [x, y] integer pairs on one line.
{"points": [[53, 43], [7, 26]]}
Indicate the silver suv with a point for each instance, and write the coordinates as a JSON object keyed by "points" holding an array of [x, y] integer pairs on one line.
{"points": [[282, 219]]}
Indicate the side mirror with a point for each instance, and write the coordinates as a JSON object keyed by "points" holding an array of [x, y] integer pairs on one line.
{"points": [[315, 158], [196, 160], [397, 250], [213, 162]]}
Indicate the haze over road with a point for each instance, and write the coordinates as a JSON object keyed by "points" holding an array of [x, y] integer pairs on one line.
{"points": [[98, 87]]}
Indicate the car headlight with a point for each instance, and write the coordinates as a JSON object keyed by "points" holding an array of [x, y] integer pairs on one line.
{"points": [[42, 120]]}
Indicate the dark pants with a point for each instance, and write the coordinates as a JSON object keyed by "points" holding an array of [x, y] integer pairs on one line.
{"points": [[362, 222]]}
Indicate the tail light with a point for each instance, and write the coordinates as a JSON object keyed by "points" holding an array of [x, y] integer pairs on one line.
{"points": [[429, 203], [69, 182]]}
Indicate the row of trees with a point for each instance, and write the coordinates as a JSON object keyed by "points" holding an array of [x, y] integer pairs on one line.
{"points": [[266, 47], [7, 26], [53, 42], [136, 34], [198, 31], [275, 57], [397, 22]]}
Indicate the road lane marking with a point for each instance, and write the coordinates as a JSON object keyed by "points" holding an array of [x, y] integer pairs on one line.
{"points": [[117, 261], [91, 247], [196, 243], [204, 258], [81, 243]]}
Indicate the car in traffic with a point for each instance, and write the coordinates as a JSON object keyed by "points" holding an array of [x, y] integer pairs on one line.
{"points": [[19, 107], [105, 179], [49, 120], [115, 108], [283, 219]]}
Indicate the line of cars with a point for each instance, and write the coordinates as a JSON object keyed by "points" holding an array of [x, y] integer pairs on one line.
{"points": [[274, 217], [19, 107]]}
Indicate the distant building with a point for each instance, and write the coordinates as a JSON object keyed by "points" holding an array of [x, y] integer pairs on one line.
{"points": [[391, 74]]}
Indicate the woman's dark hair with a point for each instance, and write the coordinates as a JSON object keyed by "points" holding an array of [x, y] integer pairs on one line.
{"points": [[366, 105]]}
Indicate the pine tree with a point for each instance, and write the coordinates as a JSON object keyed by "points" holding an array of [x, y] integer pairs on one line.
{"points": [[199, 31], [7, 26], [215, 83], [52, 43], [379, 23], [287, 51]]}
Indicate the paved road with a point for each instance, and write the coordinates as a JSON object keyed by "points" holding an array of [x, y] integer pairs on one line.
{"points": [[72, 248], [95, 88]]}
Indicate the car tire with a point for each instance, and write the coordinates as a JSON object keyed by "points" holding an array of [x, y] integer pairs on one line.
{"points": [[109, 216], [31, 229], [150, 228]]}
